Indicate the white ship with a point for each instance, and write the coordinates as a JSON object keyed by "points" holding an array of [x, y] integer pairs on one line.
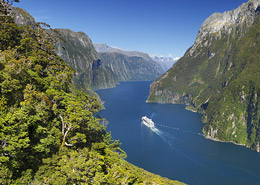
{"points": [[148, 122]]}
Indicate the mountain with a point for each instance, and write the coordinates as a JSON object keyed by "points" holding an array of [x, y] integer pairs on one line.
{"points": [[104, 48], [129, 65], [165, 62], [48, 131], [219, 76], [22, 17], [76, 49]]}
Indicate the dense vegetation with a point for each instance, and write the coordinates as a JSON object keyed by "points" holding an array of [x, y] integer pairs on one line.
{"points": [[222, 82], [48, 134]]}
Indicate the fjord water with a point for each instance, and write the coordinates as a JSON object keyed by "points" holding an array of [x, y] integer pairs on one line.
{"points": [[175, 148]]}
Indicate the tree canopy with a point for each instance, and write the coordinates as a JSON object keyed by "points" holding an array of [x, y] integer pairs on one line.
{"points": [[48, 132]]}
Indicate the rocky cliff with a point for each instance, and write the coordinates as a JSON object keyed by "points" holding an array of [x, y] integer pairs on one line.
{"points": [[22, 17], [219, 76], [129, 65], [77, 49]]}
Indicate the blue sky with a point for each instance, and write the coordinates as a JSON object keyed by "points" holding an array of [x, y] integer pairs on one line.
{"points": [[159, 27]]}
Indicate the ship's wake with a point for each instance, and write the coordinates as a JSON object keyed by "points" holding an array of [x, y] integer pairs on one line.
{"points": [[178, 129], [173, 143], [153, 114], [175, 128], [169, 140]]}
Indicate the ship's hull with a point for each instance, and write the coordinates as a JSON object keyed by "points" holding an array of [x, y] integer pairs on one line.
{"points": [[147, 122]]}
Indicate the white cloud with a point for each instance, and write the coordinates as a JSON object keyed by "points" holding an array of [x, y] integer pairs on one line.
{"points": [[170, 55]]}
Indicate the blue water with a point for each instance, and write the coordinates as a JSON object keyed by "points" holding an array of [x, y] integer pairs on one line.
{"points": [[175, 148]]}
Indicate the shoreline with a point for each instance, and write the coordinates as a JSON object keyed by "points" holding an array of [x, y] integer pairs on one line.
{"points": [[190, 109], [232, 142], [221, 141], [208, 137]]}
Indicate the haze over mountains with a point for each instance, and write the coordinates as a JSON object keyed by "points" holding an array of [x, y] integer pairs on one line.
{"points": [[104, 48], [129, 65], [165, 62]]}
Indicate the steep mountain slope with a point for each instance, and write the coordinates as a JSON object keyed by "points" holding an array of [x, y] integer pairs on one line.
{"points": [[48, 132], [22, 17], [219, 76], [132, 68], [129, 65], [77, 50]]}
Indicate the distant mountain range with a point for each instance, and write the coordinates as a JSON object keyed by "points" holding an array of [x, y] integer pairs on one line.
{"points": [[104, 48], [97, 67], [129, 65], [165, 62]]}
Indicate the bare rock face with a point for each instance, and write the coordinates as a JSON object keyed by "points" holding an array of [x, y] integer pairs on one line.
{"points": [[22, 17], [219, 24], [77, 49]]}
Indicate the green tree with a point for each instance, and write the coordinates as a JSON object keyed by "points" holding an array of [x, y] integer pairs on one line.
{"points": [[48, 132], [5, 6], [40, 110]]}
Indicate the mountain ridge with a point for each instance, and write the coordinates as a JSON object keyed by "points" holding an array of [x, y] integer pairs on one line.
{"points": [[129, 65], [77, 49], [104, 48], [92, 71], [218, 77], [165, 62], [49, 133], [221, 23]]}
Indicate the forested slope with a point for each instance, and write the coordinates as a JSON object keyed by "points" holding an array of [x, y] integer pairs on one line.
{"points": [[48, 133], [219, 76]]}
